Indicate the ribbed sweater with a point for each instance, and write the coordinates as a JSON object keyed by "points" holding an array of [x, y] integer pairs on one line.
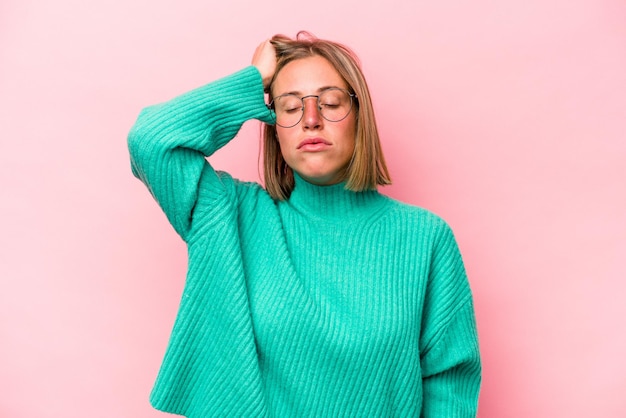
{"points": [[332, 303]]}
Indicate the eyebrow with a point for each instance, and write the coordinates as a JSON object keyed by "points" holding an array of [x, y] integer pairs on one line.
{"points": [[321, 89]]}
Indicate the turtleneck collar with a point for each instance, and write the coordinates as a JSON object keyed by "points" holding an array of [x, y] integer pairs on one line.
{"points": [[334, 201]]}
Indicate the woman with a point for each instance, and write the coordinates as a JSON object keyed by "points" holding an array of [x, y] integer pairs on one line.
{"points": [[316, 296]]}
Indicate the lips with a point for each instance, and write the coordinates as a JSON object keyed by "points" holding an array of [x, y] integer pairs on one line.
{"points": [[313, 143]]}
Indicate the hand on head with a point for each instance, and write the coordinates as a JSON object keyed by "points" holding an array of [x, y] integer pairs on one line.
{"points": [[264, 60]]}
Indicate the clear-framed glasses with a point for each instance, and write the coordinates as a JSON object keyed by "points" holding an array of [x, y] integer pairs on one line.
{"points": [[334, 104]]}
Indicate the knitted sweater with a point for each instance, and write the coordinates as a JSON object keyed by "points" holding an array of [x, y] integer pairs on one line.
{"points": [[332, 303]]}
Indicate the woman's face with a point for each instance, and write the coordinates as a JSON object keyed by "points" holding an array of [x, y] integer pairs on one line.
{"points": [[317, 149]]}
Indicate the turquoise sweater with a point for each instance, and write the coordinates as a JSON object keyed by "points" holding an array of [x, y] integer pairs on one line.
{"points": [[330, 304]]}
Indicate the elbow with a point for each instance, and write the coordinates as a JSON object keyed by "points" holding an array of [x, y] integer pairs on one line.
{"points": [[139, 132], [140, 142]]}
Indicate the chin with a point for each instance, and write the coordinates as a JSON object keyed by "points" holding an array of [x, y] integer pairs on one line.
{"points": [[322, 179]]}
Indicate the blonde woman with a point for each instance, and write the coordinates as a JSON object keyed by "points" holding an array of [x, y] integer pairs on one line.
{"points": [[315, 295]]}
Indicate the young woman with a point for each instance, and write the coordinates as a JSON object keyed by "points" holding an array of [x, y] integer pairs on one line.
{"points": [[315, 296]]}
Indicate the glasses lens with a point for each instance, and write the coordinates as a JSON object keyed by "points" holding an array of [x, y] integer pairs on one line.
{"points": [[288, 108], [335, 104]]}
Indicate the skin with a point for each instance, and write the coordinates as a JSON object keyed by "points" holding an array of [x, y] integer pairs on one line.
{"points": [[318, 150]]}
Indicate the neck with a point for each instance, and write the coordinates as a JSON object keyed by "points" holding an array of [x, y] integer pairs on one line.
{"points": [[333, 201]]}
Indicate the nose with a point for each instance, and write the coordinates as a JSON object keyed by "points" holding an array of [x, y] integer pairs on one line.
{"points": [[311, 119]]}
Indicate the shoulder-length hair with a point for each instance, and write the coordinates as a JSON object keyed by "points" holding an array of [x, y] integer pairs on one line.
{"points": [[367, 168]]}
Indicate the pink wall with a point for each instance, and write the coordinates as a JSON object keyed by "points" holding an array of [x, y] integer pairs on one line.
{"points": [[507, 118]]}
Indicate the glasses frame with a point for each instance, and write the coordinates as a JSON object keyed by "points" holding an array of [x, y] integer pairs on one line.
{"points": [[271, 105]]}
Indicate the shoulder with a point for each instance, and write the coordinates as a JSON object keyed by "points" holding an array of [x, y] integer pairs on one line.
{"points": [[250, 195], [221, 193], [417, 215], [224, 201], [241, 191], [420, 224]]}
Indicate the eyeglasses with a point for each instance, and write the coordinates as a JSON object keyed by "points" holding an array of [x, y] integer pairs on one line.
{"points": [[334, 104]]}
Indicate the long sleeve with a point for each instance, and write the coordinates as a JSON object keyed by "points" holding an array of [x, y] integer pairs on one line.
{"points": [[210, 367], [450, 356], [169, 142]]}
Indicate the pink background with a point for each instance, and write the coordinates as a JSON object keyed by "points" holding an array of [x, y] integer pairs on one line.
{"points": [[508, 118]]}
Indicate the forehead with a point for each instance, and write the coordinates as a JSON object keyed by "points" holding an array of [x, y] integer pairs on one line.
{"points": [[307, 76]]}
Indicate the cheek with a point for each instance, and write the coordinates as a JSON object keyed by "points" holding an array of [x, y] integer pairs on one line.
{"points": [[285, 135], [280, 134]]}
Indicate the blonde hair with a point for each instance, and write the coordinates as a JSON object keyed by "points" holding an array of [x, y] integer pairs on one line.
{"points": [[367, 169]]}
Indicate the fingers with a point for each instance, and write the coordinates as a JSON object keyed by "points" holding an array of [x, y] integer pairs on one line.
{"points": [[264, 60]]}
